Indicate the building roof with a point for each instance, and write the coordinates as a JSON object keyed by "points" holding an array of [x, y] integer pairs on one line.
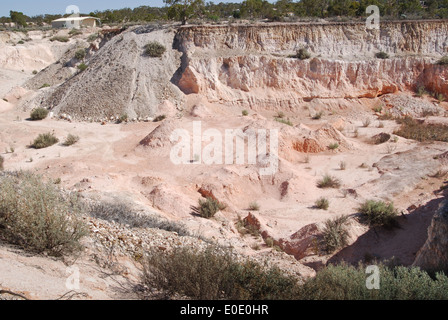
{"points": [[75, 19]]}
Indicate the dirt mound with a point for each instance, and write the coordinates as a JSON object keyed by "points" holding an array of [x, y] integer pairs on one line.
{"points": [[315, 141], [160, 136], [406, 105], [121, 79]]}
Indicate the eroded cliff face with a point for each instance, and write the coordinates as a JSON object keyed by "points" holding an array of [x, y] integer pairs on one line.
{"points": [[433, 256], [250, 65]]}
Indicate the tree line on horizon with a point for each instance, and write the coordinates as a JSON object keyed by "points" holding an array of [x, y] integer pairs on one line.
{"points": [[184, 10]]}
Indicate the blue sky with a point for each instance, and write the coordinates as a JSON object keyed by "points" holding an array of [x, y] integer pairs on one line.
{"points": [[33, 7]]}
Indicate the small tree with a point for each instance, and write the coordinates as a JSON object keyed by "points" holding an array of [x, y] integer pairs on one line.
{"points": [[18, 18], [183, 10]]}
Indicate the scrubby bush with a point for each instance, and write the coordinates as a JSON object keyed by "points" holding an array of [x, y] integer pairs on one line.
{"points": [[333, 146], [35, 215], [412, 129], [214, 273], [60, 39], [44, 140], [35, 72], [208, 208], [302, 54], [155, 49], [80, 54], [328, 182], [2, 161], [245, 113], [382, 55], [254, 206], [443, 61], [92, 37], [82, 67], [123, 118], [378, 213], [244, 228], [39, 114], [70, 140], [322, 203], [421, 91], [284, 121], [160, 118], [344, 282], [45, 85], [122, 213], [335, 234]]}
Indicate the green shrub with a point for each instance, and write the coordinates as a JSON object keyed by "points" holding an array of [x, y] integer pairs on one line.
{"points": [[75, 32], [421, 91], [35, 72], [245, 113], [322, 203], [443, 61], [328, 182], [344, 282], [92, 37], [35, 215], [160, 118], [333, 146], [214, 273], [208, 208], [39, 114], [154, 49], [60, 39], [378, 213], [45, 85], [80, 54], [302, 54], [44, 140], [70, 140], [284, 121], [21, 42], [245, 228], [83, 67], [123, 118], [335, 234], [378, 109], [382, 55]]}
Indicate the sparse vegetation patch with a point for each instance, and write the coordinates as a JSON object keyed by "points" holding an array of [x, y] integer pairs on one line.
{"points": [[35, 215], [378, 213]]}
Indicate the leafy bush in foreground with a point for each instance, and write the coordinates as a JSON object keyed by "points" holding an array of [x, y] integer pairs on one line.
{"points": [[35, 215], [213, 274], [343, 282]]}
